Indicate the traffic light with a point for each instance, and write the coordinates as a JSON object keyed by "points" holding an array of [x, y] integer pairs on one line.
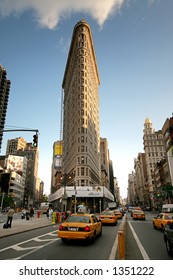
{"points": [[158, 194], [35, 140]]}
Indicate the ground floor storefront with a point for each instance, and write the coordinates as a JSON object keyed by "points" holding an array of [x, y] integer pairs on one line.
{"points": [[68, 198]]}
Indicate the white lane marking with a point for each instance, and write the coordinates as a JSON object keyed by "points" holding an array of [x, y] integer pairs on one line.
{"points": [[141, 248], [33, 251], [26, 241], [114, 249], [18, 248], [37, 239]]}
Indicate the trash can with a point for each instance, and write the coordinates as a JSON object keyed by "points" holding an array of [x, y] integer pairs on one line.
{"points": [[59, 217], [54, 218]]}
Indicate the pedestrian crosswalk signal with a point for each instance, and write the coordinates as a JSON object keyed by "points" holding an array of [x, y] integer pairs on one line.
{"points": [[35, 140]]}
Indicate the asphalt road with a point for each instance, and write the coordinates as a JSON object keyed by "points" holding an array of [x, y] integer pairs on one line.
{"points": [[150, 241], [143, 242], [44, 244]]}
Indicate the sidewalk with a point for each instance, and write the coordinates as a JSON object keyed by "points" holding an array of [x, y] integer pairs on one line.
{"points": [[22, 225]]}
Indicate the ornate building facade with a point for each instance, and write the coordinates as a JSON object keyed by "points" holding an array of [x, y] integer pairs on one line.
{"points": [[81, 131]]}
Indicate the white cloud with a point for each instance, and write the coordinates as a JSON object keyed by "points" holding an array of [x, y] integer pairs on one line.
{"points": [[48, 13]]}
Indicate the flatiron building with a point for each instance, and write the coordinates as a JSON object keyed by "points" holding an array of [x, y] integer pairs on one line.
{"points": [[81, 131]]}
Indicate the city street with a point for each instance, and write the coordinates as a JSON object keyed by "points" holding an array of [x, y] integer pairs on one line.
{"points": [[142, 242], [44, 244], [151, 241]]}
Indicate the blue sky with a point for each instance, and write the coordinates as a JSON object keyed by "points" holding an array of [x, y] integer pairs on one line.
{"points": [[133, 41]]}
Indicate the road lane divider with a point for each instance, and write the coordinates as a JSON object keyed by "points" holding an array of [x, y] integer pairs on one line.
{"points": [[122, 238]]}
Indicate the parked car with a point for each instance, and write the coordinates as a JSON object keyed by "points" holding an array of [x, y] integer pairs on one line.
{"points": [[161, 220], [83, 226], [168, 238], [108, 217]]}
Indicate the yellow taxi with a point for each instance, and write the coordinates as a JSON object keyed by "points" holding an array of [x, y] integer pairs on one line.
{"points": [[135, 208], [118, 213], [161, 220], [83, 226], [108, 217], [138, 215]]}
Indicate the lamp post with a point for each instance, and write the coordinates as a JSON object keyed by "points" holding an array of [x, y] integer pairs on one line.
{"points": [[65, 180], [2, 200], [100, 204], [75, 192]]}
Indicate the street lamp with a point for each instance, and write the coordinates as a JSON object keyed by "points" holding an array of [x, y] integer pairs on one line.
{"points": [[100, 204], [2, 200], [65, 179], [75, 192]]}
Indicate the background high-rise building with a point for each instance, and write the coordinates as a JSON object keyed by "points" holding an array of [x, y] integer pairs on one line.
{"points": [[154, 148], [81, 131], [56, 173], [20, 147], [104, 159], [4, 95]]}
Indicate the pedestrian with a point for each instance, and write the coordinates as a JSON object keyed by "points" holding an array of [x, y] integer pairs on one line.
{"points": [[23, 214], [10, 213], [47, 212], [31, 212], [50, 213], [63, 217]]}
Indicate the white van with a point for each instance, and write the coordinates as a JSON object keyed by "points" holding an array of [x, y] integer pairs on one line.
{"points": [[167, 208]]}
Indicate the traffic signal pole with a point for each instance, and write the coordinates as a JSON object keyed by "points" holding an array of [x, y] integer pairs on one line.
{"points": [[9, 130], [35, 137]]}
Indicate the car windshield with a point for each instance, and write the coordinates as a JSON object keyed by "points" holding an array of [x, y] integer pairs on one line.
{"points": [[137, 211], [78, 219], [168, 217], [107, 213]]}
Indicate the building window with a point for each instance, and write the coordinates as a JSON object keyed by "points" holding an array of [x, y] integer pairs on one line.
{"points": [[82, 171], [82, 182], [82, 160], [82, 149]]}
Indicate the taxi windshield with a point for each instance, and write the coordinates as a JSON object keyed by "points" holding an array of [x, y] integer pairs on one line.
{"points": [[78, 219], [168, 217]]}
